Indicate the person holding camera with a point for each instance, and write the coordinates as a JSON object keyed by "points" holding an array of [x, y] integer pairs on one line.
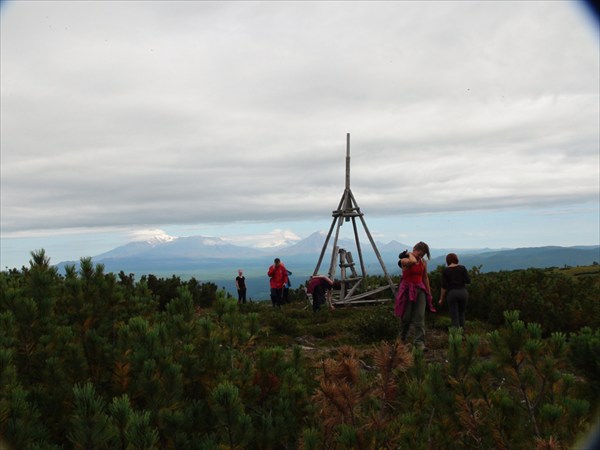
{"points": [[414, 293]]}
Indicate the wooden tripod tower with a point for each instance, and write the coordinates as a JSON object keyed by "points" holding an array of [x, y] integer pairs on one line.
{"points": [[350, 280]]}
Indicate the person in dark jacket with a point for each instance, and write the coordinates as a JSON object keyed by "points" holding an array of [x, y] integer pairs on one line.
{"points": [[285, 296], [454, 291], [240, 284]]}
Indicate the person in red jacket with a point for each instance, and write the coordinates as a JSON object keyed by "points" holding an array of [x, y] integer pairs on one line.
{"points": [[279, 278], [414, 293]]}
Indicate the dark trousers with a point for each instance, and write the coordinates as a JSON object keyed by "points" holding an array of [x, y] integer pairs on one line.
{"points": [[242, 295], [318, 297], [457, 303], [415, 314], [277, 296]]}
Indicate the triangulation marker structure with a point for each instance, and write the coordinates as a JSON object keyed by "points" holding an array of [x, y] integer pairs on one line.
{"points": [[350, 280]]}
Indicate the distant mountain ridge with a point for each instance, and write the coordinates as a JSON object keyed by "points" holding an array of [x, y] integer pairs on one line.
{"points": [[208, 255], [205, 247], [523, 258], [214, 259], [191, 247]]}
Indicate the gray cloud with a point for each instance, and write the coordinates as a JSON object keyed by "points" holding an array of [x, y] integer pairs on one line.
{"points": [[146, 113]]}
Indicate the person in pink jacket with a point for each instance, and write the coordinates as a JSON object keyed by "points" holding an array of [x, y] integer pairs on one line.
{"points": [[414, 293], [279, 278]]}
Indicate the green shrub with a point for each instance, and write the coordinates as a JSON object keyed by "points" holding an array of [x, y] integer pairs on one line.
{"points": [[558, 301], [323, 330], [283, 324], [92, 360], [585, 356], [376, 324]]}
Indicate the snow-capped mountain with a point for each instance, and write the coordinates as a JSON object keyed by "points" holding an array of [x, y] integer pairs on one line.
{"points": [[198, 247], [192, 247], [143, 241], [152, 236], [209, 255]]}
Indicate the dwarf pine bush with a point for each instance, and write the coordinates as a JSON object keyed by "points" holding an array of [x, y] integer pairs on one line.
{"points": [[93, 360], [377, 323]]}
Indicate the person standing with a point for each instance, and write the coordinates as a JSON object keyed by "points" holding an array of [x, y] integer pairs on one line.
{"points": [[240, 284], [278, 279], [454, 279], [414, 293], [286, 289]]}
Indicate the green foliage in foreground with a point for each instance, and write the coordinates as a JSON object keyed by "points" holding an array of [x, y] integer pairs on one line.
{"points": [[90, 360], [558, 300]]}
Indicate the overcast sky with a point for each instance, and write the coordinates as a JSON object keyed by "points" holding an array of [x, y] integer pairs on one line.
{"points": [[473, 124]]}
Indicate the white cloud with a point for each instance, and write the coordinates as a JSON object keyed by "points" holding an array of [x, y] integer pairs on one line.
{"points": [[274, 238], [133, 115]]}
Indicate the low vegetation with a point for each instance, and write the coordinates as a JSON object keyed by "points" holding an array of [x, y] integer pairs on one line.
{"points": [[94, 360]]}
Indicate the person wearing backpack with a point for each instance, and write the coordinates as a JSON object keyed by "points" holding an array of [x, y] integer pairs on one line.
{"points": [[278, 279]]}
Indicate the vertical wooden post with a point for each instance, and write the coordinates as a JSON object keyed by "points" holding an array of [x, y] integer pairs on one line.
{"points": [[358, 248], [347, 161]]}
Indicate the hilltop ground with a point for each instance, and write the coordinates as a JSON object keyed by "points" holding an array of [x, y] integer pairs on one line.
{"points": [[362, 327]]}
